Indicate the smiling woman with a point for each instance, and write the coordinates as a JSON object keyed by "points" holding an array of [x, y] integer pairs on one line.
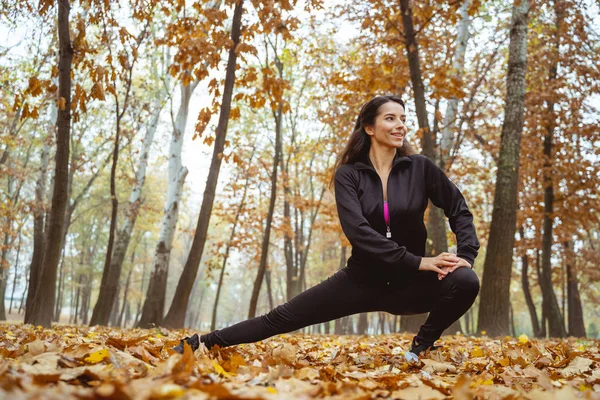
{"points": [[382, 189]]}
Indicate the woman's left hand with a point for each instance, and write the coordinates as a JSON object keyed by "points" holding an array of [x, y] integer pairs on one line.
{"points": [[461, 263]]}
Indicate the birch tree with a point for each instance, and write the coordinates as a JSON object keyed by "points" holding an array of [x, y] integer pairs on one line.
{"points": [[176, 315], [154, 305]]}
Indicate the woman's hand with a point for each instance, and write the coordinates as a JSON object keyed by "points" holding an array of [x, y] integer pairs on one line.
{"points": [[461, 263], [440, 264]]}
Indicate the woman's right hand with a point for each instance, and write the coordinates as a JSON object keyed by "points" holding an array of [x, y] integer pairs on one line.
{"points": [[437, 264]]}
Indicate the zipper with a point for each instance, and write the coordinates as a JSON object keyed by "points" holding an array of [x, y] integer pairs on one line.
{"points": [[388, 233]]}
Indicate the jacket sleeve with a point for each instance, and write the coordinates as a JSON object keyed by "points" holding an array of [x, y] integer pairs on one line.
{"points": [[445, 195], [359, 232]]}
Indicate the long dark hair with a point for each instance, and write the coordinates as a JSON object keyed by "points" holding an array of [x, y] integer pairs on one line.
{"points": [[359, 143]]}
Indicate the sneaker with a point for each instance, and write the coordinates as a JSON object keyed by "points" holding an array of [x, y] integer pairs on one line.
{"points": [[193, 341], [418, 348]]}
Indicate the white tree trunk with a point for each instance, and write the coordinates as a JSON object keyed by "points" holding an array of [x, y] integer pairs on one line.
{"points": [[458, 67], [153, 310], [177, 174]]}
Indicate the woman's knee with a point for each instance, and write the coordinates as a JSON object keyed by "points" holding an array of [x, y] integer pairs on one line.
{"points": [[466, 281]]}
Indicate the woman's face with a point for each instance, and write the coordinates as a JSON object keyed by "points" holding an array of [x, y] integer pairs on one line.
{"points": [[389, 128]]}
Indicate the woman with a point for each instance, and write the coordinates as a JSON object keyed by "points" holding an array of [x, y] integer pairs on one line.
{"points": [[382, 190]]}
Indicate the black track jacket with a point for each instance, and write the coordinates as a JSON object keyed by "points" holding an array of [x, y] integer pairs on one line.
{"points": [[412, 181]]}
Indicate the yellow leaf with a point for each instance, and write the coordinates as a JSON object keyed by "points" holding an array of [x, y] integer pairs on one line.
{"points": [[523, 338], [583, 387], [484, 333], [477, 352], [97, 356], [489, 382], [220, 369], [505, 362], [272, 390]]}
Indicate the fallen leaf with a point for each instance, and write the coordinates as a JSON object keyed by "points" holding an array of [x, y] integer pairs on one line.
{"points": [[577, 366], [523, 338], [436, 366], [420, 392], [219, 370], [97, 356], [36, 347], [477, 352]]}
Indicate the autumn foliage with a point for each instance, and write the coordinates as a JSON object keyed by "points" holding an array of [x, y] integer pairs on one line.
{"points": [[81, 362]]}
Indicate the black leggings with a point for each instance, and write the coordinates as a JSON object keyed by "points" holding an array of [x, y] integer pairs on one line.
{"points": [[340, 295]]}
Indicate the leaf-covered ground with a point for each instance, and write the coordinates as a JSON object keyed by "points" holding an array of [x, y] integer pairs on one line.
{"points": [[81, 362]]}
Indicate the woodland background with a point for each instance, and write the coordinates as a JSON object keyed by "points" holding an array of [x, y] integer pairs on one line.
{"points": [[166, 162]]}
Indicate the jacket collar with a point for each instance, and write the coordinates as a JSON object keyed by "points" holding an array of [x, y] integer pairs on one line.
{"points": [[365, 162]]}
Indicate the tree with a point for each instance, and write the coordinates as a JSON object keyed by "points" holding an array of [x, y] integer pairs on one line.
{"points": [[154, 305], [43, 302], [112, 270], [495, 294], [556, 327], [176, 315]]}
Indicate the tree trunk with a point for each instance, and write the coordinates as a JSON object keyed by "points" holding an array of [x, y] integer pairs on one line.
{"points": [[85, 307], [363, 324], [538, 270], [269, 288], [575, 310], [39, 214], [468, 318], [45, 287], [527, 292], [154, 305], [109, 285], [495, 288], [125, 292], [6, 242], [412, 323], [264, 254], [135, 198], [142, 286], [213, 322], [512, 321], [176, 316], [114, 311], [2, 294], [436, 226], [61, 287], [458, 66], [291, 268], [77, 298], [556, 327], [22, 303], [14, 285]]}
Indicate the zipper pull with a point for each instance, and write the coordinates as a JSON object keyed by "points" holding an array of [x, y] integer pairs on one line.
{"points": [[388, 234]]}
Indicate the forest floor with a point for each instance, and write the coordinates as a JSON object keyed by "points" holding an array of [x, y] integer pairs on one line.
{"points": [[82, 362]]}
